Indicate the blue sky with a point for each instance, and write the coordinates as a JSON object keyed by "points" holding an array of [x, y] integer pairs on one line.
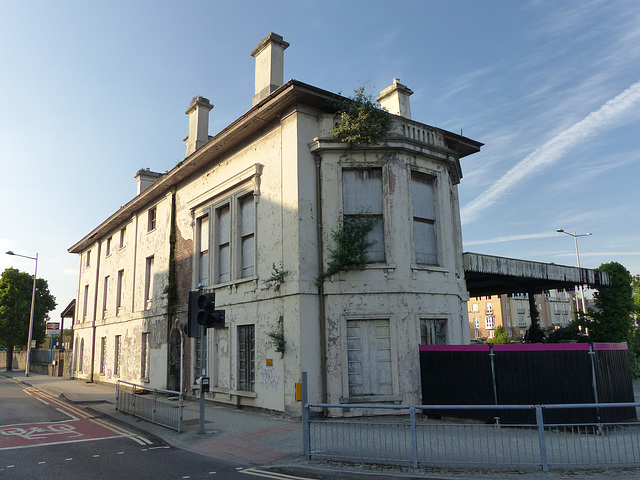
{"points": [[91, 92]]}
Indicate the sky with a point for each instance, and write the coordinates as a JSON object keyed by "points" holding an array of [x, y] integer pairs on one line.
{"points": [[91, 92]]}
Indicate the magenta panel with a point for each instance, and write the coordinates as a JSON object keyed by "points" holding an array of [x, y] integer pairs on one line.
{"points": [[454, 348], [540, 347], [610, 346]]}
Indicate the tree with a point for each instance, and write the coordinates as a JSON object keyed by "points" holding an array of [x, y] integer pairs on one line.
{"points": [[534, 333], [16, 288], [612, 321], [500, 336]]}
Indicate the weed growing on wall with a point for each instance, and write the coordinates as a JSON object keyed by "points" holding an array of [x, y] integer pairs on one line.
{"points": [[350, 251]]}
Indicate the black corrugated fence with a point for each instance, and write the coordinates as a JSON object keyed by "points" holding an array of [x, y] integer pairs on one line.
{"points": [[529, 374]]}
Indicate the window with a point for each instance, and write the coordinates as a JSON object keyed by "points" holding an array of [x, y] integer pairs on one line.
{"points": [[476, 323], [474, 307], [489, 322], [81, 356], [116, 355], [234, 239], [144, 357], [88, 258], [223, 216], [85, 302], [369, 357], [362, 198], [203, 248], [433, 331], [151, 219], [247, 241], [120, 290], [108, 247], [148, 280], [103, 353], [105, 296], [246, 358], [508, 320], [424, 219], [122, 236], [489, 307]]}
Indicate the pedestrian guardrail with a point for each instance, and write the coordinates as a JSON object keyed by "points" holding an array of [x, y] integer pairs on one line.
{"points": [[163, 407], [405, 436]]}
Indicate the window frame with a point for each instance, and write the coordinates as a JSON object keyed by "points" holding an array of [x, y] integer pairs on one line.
{"points": [[434, 179], [382, 216], [231, 201]]}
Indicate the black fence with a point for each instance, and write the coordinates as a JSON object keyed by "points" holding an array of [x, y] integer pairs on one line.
{"points": [[529, 374]]}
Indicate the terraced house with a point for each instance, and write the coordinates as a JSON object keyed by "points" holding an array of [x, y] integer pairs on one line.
{"points": [[253, 214]]}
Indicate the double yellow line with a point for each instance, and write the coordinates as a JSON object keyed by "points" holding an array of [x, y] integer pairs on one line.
{"points": [[84, 414]]}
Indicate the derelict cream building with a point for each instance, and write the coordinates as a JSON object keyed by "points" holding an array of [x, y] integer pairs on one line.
{"points": [[250, 214]]}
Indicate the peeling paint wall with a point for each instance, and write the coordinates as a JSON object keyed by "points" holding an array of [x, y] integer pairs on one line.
{"points": [[278, 168]]}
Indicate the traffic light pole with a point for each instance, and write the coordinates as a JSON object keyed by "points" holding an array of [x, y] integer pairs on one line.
{"points": [[203, 373]]}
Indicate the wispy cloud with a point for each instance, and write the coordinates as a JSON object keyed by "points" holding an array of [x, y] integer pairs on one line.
{"points": [[511, 238], [606, 116]]}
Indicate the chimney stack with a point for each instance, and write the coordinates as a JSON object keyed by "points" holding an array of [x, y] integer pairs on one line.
{"points": [[198, 113], [269, 55], [146, 178], [395, 99]]}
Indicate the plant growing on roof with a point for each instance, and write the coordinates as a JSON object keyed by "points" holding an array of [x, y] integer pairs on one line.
{"points": [[361, 119]]}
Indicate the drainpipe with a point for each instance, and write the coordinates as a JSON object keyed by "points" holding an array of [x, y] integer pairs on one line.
{"points": [[95, 313], [321, 306]]}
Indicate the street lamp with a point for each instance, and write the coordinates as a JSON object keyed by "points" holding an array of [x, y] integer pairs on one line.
{"points": [[33, 306], [575, 238]]}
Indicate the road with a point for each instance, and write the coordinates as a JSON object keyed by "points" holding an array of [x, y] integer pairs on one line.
{"points": [[43, 437]]}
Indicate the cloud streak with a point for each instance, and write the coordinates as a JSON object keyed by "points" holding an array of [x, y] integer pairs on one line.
{"points": [[511, 238], [551, 151]]}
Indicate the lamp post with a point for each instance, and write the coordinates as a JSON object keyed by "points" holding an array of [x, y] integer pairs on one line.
{"points": [[33, 306], [575, 238]]}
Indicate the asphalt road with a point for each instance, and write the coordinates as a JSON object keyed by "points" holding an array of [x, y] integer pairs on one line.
{"points": [[43, 437]]}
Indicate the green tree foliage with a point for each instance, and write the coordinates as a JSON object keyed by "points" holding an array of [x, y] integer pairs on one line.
{"points": [[15, 310], [361, 119], [635, 286], [534, 333], [613, 321], [500, 336]]}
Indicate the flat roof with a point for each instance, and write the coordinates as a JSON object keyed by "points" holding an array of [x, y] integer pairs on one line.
{"points": [[491, 275]]}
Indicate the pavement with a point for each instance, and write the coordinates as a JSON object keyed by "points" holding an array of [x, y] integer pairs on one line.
{"points": [[257, 439]]}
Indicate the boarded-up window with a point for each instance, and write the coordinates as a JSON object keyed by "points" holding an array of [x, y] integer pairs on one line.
{"points": [[224, 244], [203, 236], [144, 357], [247, 228], [362, 197], [433, 331], [369, 357], [424, 219], [116, 355], [246, 358]]}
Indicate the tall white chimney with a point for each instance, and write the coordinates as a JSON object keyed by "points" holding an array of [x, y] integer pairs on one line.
{"points": [[395, 99], [198, 113], [269, 55], [146, 178]]}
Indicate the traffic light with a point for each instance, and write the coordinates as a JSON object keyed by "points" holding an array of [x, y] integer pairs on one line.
{"points": [[193, 327], [208, 316]]}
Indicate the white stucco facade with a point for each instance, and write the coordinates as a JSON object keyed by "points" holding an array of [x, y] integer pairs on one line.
{"points": [[264, 196]]}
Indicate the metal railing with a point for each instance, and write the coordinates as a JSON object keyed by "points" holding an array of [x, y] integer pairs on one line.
{"points": [[414, 439], [144, 402]]}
